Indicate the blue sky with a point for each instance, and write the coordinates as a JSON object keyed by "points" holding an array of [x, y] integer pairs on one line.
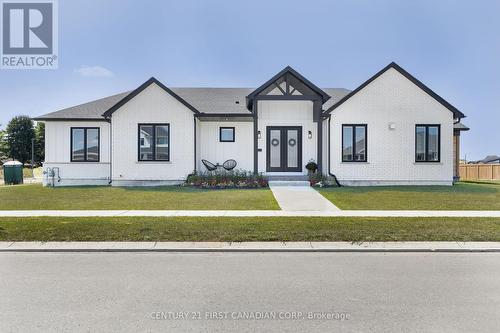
{"points": [[110, 46]]}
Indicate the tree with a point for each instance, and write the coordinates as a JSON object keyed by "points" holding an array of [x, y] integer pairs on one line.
{"points": [[39, 143], [3, 145], [19, 134]]}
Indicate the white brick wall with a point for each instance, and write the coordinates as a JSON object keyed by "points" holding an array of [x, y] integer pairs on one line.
{"points": [[217, 152], [152, 105], [391, 153], [58, 154]]}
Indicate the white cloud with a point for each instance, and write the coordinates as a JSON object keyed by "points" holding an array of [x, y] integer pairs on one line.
{"points": [[94, 71]]}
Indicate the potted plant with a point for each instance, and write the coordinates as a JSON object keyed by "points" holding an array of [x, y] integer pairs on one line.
{"points": [[311, 166]]}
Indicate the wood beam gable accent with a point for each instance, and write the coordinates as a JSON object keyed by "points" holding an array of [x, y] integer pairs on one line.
{"points": [[286, 76]]}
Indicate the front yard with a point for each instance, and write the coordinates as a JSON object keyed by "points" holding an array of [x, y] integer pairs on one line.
{"points": [[462, 196], [36, 197], [232, 229]]}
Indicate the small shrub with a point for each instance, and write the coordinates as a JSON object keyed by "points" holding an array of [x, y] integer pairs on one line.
{"points": [[221, 179], [311, 166]]}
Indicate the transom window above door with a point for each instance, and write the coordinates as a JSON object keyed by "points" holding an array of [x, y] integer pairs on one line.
{"points": [[154, 142], [354, 143]]}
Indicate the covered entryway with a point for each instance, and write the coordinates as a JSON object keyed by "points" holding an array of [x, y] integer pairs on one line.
{"points": [[288, 124], [284, 149]]}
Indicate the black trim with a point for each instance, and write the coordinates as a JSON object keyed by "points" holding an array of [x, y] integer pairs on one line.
{"points": [[353, 127], [194, 128], [226, 128], [224, 115], [329, 155], [68, 119], [319, 137], [284, 151], [287, 70], [427, 142], [456, 112], [143, 86], [255, 139], [85, 158], [154, 125], [110, 151], [286, 98]]}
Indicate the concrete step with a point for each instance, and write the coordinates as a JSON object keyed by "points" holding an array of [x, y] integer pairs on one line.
{"points": [[288, 183], [288, 178]]}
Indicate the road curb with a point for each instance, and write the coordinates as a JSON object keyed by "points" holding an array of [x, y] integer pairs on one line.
{"points": [[186, 247], [256, 250]]}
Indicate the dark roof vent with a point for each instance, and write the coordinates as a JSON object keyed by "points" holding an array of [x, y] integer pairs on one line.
{"points": [[237, 102]]}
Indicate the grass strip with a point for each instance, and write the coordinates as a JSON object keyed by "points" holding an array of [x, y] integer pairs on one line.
{"points": [[238, 229]]}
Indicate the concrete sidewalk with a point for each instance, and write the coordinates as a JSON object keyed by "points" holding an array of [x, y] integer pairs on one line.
{"points": [[249, 247], [300, 198], [251, 213]]}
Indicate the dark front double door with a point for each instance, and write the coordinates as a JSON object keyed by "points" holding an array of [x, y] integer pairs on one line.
{"points": [[284, 149]]}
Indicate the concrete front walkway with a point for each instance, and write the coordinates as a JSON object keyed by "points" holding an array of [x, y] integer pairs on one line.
{"points": [[252, 213], [249, 247], [300, 198]]}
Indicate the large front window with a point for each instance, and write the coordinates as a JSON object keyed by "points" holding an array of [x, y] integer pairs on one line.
{"points": [[84, 144], [154, 142], [427, 139], [353, 143]]}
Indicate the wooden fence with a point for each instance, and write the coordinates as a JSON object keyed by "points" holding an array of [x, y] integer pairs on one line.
{"points": [[480, 171]]}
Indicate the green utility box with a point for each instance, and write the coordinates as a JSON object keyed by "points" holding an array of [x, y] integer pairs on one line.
{"points": [[13, 172]]}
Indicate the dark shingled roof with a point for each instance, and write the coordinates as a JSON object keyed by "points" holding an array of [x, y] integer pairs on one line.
{"points": [[90, 110], [205, 100]]}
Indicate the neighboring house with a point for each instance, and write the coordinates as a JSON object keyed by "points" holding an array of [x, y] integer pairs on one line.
{"points": [[392, 130], [490, 159]]}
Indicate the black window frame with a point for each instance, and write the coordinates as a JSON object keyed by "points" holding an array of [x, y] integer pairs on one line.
{"points": [[353, 126], [85, 158], [154, 125], [226, 128], [427, 142]]}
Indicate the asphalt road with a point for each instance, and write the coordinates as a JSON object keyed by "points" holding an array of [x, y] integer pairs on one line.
{"points": [[249, 292]]}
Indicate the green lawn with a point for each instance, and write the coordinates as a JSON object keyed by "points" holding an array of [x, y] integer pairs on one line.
{"points": [[462, 196], [231, 229], [482, 181], [35, 197]]}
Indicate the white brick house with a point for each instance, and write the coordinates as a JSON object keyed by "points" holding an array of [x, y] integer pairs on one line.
{"points": [[391, 130]]}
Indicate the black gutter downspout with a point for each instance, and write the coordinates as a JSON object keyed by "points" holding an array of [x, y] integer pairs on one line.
{"points": [[329, 151], [108, 120], [319, 135], [255, 138], [194, 121]]}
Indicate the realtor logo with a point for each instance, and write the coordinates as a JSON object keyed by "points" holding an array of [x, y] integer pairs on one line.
{"points": [[29, 34]]}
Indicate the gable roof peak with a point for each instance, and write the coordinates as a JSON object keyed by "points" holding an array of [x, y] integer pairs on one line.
{"points": [[288, 69], [456, 113], [139, 89]]}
